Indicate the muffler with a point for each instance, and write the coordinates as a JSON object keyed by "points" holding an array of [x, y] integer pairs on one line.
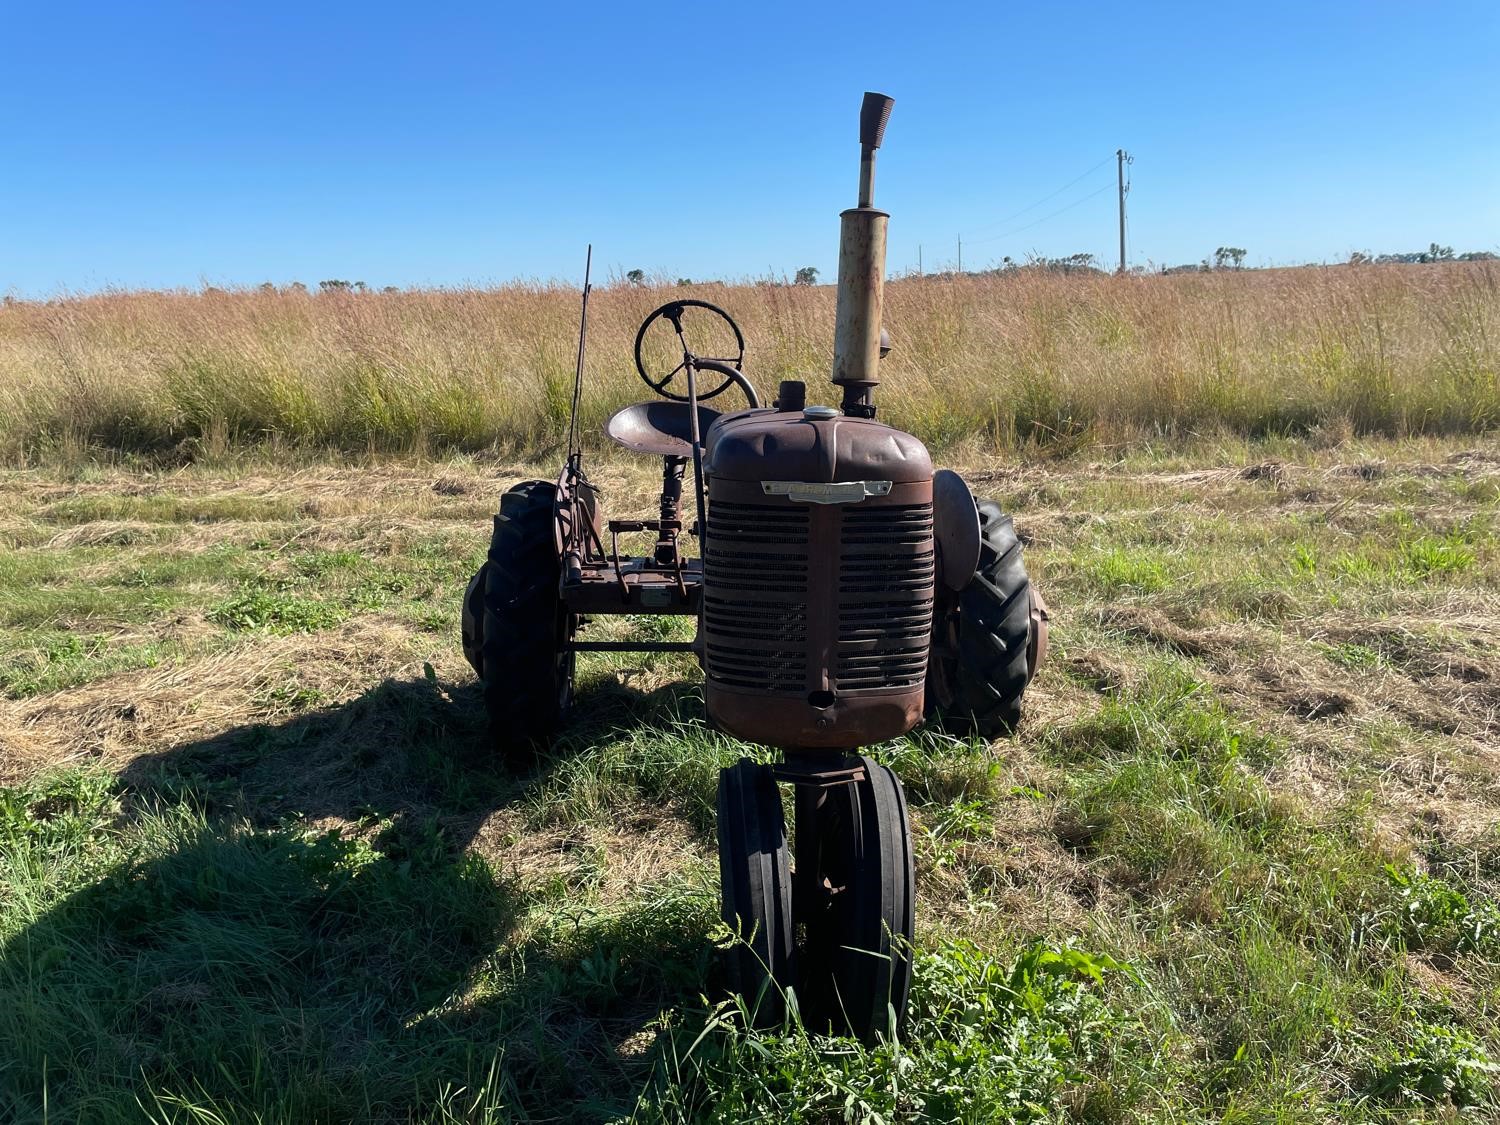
{"points": [[856, 337]]}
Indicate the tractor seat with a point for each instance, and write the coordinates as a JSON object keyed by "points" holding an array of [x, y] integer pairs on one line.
{"points": [[660, 426]]}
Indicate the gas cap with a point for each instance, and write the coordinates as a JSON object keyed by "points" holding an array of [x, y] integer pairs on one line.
{"points": [[819, 413]]}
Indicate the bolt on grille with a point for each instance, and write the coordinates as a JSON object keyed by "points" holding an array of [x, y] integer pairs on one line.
{"points": [[757, 565]]}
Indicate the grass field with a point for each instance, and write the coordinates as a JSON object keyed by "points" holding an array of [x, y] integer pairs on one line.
{"points": [[1241, 863], [1025, 358]]}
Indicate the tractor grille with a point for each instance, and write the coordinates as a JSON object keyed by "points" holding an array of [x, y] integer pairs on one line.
{"points": [[755, 569], [763, 630], [886, 573]]}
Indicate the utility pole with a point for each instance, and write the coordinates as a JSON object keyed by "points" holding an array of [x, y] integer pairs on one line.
{"points": [[1121, 156], [960, 253], [919, 259]]}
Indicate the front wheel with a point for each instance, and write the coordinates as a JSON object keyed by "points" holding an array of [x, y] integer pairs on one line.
{"points": [[855, 905], [516, 629], [755, 884]]}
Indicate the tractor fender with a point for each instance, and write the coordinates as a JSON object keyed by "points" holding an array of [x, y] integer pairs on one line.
{"points": [[1036, 646], [955, 529]]}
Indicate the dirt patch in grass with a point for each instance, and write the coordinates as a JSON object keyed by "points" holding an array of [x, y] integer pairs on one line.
{"points": [[1216, 647]]}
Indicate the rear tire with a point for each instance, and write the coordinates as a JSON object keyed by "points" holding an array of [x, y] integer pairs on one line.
{"points": [[515, 625], [987, 661]]}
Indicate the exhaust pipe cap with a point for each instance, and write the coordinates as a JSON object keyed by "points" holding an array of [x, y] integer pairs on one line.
{"points": [[874, 113]]}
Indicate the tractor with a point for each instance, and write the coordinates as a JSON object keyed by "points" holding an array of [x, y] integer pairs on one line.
{"points": [[845, 592]]}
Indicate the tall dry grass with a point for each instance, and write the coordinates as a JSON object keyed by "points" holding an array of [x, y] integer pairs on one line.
{"points": [[1026, 356]]}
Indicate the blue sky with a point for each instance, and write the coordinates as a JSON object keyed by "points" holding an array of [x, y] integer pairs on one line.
{"points": [[441, 144]]}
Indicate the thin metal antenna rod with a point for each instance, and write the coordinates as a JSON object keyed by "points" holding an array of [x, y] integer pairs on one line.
{"points": [[583, 335]]}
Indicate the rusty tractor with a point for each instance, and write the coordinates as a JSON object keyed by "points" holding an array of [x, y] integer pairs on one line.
{"points": [[845, 592]]}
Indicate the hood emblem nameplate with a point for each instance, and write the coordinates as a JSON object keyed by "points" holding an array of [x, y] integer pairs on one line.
{"points": [[837, 492]]}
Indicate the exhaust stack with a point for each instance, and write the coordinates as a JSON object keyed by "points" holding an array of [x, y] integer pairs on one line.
{"points": [[856, 336]]}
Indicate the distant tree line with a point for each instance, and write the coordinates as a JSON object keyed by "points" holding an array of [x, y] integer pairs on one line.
{"points": [[1223, 258], [807, 275], [1433, 253], [1232, 257], [1068, 263]]}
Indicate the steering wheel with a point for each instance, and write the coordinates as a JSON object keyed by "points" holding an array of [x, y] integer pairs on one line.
{"points": [[675, 313]]}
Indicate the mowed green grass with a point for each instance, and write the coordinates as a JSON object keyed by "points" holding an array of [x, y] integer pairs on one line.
{"points": [[1241, 863]]}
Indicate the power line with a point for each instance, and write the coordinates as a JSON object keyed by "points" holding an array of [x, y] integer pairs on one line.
{"points": [[1044, 218], [1045, 198]]}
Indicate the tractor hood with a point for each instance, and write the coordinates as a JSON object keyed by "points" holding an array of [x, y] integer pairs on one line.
{"points": [[817, 445]]}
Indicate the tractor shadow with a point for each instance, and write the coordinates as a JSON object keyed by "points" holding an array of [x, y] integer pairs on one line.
{"points": [[307, 933]]}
